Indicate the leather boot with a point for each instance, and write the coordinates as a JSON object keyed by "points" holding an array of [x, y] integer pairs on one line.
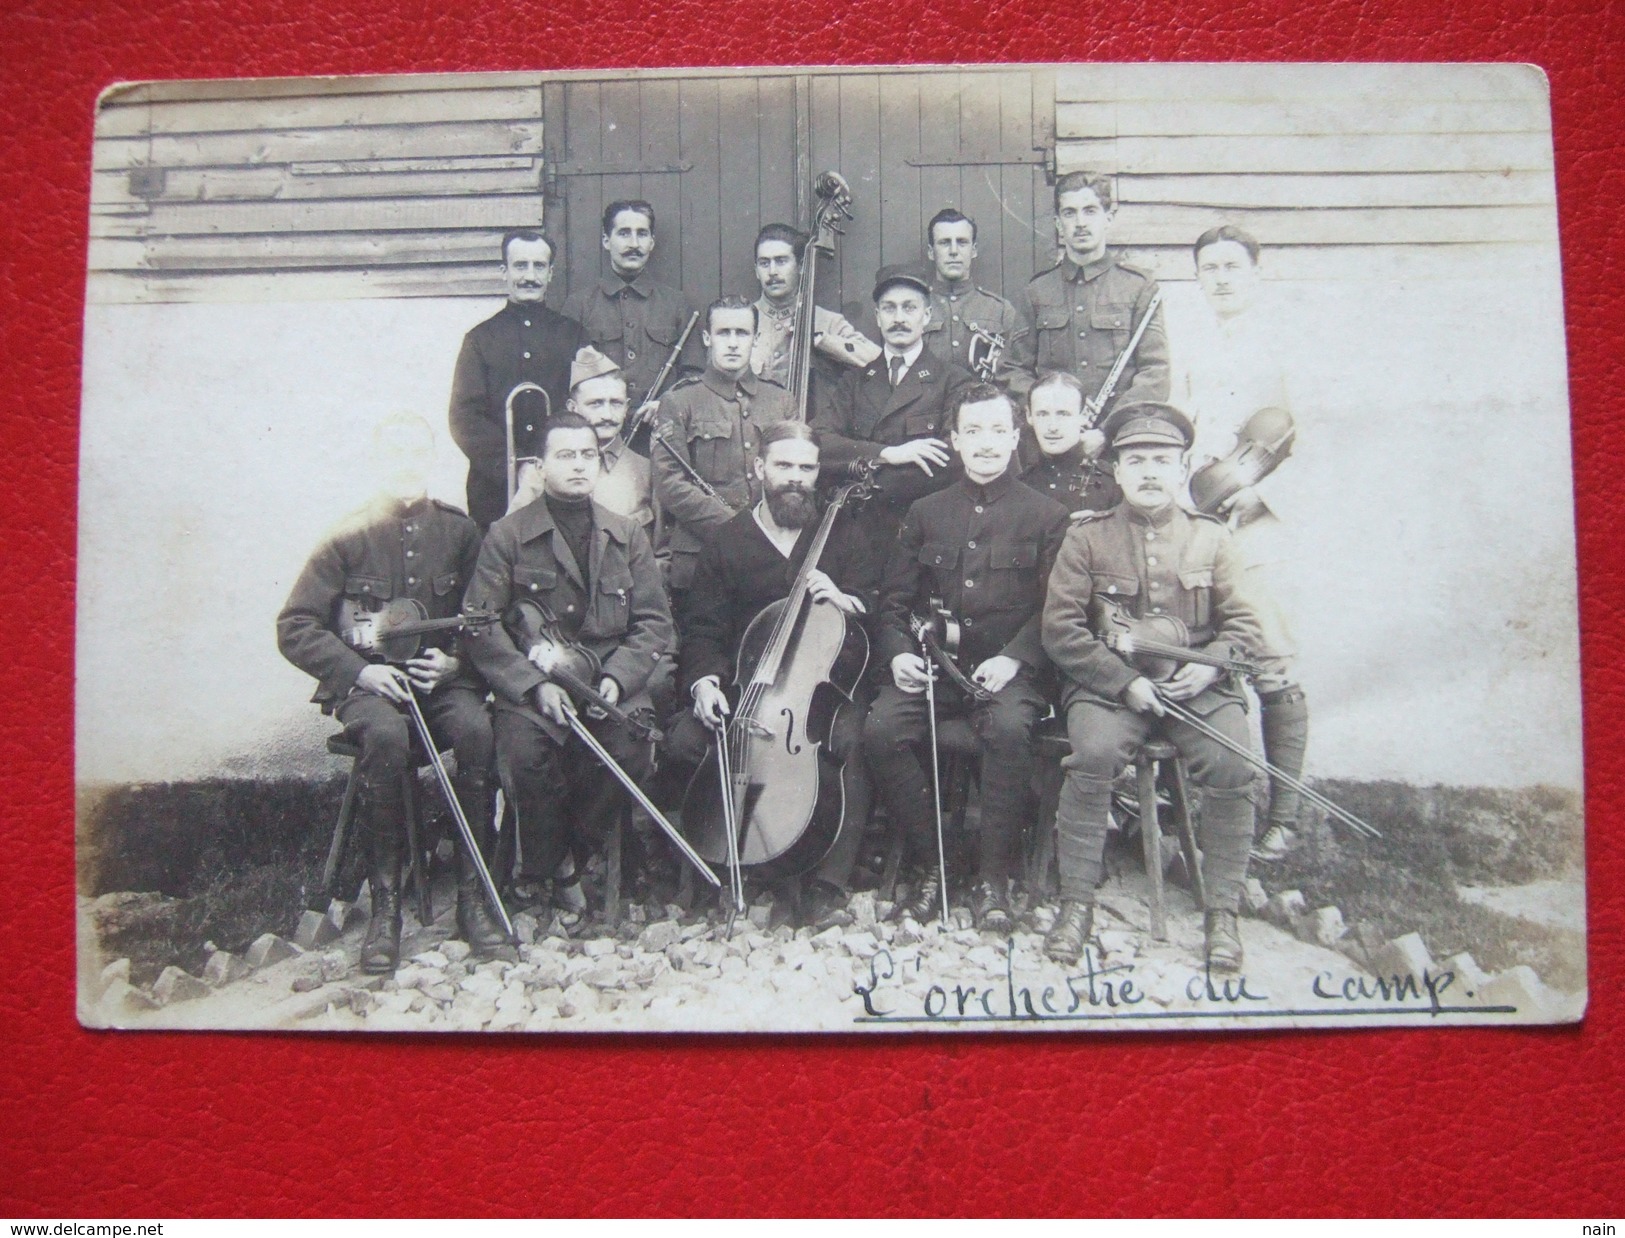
{"points": [[476, 923], [1065, 942], [1284, 721], [990, 907], [926, 901], [381, 948], [1224, 956]]}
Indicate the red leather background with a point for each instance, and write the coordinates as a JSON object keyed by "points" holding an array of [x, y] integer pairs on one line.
{"points": [[1402, 1122]]}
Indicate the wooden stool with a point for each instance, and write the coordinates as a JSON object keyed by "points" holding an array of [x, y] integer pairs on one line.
{"points": [[418, 860], [1152, 755]]}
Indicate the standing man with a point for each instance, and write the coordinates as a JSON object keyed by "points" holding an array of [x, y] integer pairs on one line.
{"points": [[959, 306], [1150, 557], [522, 342], [780, 250], [401, 545], [1063, 459], [626, 314], [1228, 368], [891, 412], [984, 547], [706, 433], [595, 571], [749, 563], [1079, 315]]}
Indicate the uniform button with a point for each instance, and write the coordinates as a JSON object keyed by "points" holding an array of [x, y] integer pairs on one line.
{"points": [[527, 356], [571, 607], [1151, 536], [529, 428], [956, 317], [408, 528], [1155, 586], [1156, 610], [1081, 334], [978, 508], [1151, 559], [533, 586], [970, 584], [527, 322], [971, 545], [411, 580], [1082, 364], [631, 354], [410, 553], [1109, 588]]}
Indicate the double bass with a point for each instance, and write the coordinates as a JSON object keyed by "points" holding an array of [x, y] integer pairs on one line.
{"points": [[799, 663]]}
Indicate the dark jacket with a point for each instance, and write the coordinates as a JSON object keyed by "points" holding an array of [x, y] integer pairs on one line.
{"points": [[1073, 480], [1078, 319], [985, 551], [636, 324], [617, 608], [1174, 564], [714, 424], [740, 572], [865, 413], [424, 550], [519, 343]]}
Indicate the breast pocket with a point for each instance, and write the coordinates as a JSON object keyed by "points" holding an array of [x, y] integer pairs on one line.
{"points": [[941, 563], [365, 589], [445, 583], [1012, 575], [1197, 587], [612, 605], [711, 447], [535, 582], [1052, 328]]}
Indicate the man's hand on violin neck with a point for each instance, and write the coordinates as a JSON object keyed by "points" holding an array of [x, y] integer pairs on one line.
{"points": [[555, 703], [710, 703], [431, 668], [1141, 697], [996, 673], [908, 672], [1188, 681], [385, 681]]}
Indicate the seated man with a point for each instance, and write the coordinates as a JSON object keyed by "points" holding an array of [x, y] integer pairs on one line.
{"points": [[401, 545], [595, 572], [984, 547], [1062, 459], [1150, 557], [749, 563]]}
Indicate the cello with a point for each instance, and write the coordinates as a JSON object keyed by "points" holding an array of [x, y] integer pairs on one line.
{"points": [[799, 662]]}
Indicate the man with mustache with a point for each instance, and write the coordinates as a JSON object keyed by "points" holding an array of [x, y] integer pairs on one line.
{"points": [[522, 342], [1150, 557], [706, 431], [780, 250], [1079, 315], [984, 547], [1062, 459], [959, 306], [890, 413], [749, 563], [627, 314]]}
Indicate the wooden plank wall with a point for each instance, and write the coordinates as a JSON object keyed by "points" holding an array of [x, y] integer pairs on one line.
{"points": [[1341, 171], [371, 187]]}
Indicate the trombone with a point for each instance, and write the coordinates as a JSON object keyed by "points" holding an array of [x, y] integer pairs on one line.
{"points": [[507, 418]]}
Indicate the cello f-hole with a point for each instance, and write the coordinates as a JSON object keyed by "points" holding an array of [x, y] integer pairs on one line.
{"points": [[789, 717]]}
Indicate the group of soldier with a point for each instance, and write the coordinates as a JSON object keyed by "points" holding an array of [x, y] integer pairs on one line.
{"points": [[995, 497]]}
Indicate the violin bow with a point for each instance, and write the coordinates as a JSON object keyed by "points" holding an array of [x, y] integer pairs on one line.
{"points": [[920, 631], [1257, 762], [492, 898], [730, 822]]}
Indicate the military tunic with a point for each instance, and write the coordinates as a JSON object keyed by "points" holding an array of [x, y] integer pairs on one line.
{"points": [[1079, 319], [959, 309], [636, 323], [714, 423], [519, 343], [985, 550], [1073, 480], [613, 605]]}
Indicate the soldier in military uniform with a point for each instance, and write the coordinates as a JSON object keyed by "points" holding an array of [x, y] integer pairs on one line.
{"points": [[1079, 315], [524, 341], [984, 547], [627, 314], [1061, 458], [709, 427], [1151, 557], [596, 572], [891, 412], [959, 306], [401, 545], [779, 253]]}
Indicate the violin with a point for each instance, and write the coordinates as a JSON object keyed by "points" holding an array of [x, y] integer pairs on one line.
{"points": [[938, 634], [395, 632], [1156, 645], [1263, 441], [575, 668], [769, 794]]}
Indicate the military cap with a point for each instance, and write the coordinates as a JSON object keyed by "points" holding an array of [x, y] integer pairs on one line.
{"points": [[902, 273], [1148, 423], [589, 363]]}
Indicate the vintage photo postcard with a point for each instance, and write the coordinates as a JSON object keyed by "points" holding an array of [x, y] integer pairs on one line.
{"points": [[1078, 547]]}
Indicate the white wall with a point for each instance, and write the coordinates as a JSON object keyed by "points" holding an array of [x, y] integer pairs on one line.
{"points": [[220, 441]]}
